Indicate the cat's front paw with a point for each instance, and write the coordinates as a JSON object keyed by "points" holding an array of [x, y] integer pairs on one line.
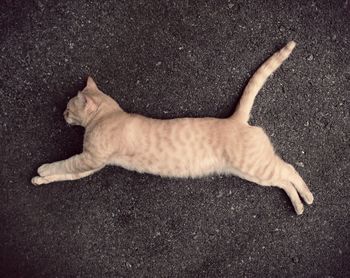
{"points": [[45, 170], [39, 180]]}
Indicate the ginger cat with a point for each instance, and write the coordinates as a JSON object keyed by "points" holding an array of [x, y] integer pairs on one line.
{"points": [[185, 147]]}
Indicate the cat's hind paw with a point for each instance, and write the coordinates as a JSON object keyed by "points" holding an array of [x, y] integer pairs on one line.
{"points": [[309, 198], [299, 209]]}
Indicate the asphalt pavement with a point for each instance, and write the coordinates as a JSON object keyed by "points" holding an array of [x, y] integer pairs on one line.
{"points": [[167, 59]]}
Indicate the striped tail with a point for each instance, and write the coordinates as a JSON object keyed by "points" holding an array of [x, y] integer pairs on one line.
{"points": [[259, 78]]}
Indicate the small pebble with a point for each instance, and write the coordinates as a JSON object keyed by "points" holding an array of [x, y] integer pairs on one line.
{"points": [[310, 58], [220, 194], [41, 5], [301, 164]]}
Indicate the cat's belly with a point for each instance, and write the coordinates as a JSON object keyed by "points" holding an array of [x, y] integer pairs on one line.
{"points": [[181, 165], [175, 148]]}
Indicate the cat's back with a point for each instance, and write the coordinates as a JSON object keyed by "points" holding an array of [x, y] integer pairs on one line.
{"points": [[180, 130]]}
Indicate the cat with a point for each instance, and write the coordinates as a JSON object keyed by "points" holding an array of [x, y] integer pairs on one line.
{"points": [[184, 147]]}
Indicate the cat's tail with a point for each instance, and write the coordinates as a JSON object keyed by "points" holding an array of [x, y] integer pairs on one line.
{"points": [[259, 78]]}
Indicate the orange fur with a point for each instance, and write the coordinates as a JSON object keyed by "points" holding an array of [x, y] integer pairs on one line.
{"points": [[185, 147]]}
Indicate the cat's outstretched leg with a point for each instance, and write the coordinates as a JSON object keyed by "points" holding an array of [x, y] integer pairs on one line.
{"points": [[299, 184], [280, 174], [291, 182], [40, 180], [76, 164], [293, 195]]}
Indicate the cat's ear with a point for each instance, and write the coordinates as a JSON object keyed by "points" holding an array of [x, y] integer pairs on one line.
{"points": [[88, 103], [90, 83]]}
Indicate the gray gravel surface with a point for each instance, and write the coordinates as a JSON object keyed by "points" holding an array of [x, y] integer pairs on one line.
{"points": [[168, 59]]}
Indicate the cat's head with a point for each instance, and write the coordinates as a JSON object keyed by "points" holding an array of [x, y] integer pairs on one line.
{"points": [[82, 108]]}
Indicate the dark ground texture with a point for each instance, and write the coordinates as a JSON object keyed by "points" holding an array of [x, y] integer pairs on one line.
{"points": [[170, 59]]}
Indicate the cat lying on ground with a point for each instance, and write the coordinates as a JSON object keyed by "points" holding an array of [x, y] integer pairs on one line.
{"points": [[185, 147]]}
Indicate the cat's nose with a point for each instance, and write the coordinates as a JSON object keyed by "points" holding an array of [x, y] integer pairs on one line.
{"points": [[65, 114]]}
